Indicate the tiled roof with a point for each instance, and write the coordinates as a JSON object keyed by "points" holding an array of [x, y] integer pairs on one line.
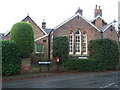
{"points": [[105, 27], [47, 30]]}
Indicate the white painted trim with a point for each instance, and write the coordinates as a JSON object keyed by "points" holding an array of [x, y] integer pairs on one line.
{"points": [[71, 53], [36, 50], [40, 37], [33, 21], [107, 27], [86, 45], [78, 53], [74, 17], [98, 16], [7, 33], [79, 43], [36, 24]]}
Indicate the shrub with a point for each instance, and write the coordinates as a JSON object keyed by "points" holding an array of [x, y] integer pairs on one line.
{"points": [[106, 52], [60, 47], [80, 65], [10, 58], [22, 33]]}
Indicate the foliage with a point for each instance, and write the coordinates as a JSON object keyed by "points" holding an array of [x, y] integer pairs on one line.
{"points": [[106, 52], [60, 47], [22, 33], [80, 65], [10, 58], [104, 55]]}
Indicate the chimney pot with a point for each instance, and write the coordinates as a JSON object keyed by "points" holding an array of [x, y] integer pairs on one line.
{"points": [[96, 7], [43, 24], [80, 11], [99, 7]]}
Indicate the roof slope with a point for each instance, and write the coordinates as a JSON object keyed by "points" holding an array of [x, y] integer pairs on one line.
{"points": [[105, 27], [98, 16], [28, 17], [47, 30]]}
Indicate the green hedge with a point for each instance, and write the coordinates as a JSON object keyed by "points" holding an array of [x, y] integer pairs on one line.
{"points": [[80, 65], [106, 52], [22, 33], [104, 55], [60, 47], [10, 58]]}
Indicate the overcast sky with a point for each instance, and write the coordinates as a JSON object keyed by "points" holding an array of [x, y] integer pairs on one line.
{"points": [[53, 11]]}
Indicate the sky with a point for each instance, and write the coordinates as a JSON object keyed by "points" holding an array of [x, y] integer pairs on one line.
{"points": [[53, 11]]}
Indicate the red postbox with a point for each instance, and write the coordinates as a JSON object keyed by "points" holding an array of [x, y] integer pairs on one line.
{"points": [[57, 59]]}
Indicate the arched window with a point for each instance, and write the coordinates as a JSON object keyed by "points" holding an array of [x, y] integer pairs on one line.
{"points": [[78, 42], [84, 43], [71, 43]]}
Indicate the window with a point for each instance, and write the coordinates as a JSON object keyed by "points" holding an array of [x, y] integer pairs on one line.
{"points": [[78, 42], [39, 48], [71, 43], [84, 43]]}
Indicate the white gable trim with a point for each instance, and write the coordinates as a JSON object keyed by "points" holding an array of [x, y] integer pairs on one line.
{"points": [[34, 22], [41, 37], [98, 16], [107, 27], [7, 33], [74, 17]]}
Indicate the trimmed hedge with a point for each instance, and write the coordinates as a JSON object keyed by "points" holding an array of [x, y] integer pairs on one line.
{"points": [[80, 65], [60, 47], [106, 52], [104, 55], [10, 58], [22, 33]]}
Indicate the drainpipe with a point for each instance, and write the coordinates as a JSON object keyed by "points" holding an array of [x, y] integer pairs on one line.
{"points": [[101, 34], [49, 40]]}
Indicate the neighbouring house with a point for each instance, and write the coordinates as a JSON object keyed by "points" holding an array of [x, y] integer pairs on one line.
{"points": [[1, 36], [77, 28]]}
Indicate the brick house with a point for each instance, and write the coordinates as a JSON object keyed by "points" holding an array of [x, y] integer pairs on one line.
{"points": [[78, 30]]}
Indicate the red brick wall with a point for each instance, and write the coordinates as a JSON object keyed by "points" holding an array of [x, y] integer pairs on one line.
{"points": [[45, 46], [111, 34], [82, 25], [37, 31], [98, 23]]}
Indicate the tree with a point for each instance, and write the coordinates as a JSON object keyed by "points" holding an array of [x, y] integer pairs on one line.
{"points": [[22, 33], [60, 47]]}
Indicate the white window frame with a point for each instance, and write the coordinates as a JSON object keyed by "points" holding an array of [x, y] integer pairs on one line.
{"points": [[78, 42], [86, 43], [36, 49], [72, 43]]}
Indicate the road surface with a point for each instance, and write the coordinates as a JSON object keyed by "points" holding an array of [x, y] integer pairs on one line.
{"points": [[71, 80]]}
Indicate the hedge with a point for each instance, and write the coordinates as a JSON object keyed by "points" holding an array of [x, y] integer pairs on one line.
{"points": [[60, 47], [80, 65], [10, 58], [22, 33], [104, 55], [106, 52]]}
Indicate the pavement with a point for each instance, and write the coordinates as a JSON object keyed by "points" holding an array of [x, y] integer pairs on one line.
{"points": [[69, 80]]}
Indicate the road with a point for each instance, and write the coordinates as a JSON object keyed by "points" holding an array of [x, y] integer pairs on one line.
{"points": [[71, 80]]}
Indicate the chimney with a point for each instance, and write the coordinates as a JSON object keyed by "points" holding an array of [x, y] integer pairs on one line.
{"points": [[79, 11], [97, 11], [43, 24]]}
